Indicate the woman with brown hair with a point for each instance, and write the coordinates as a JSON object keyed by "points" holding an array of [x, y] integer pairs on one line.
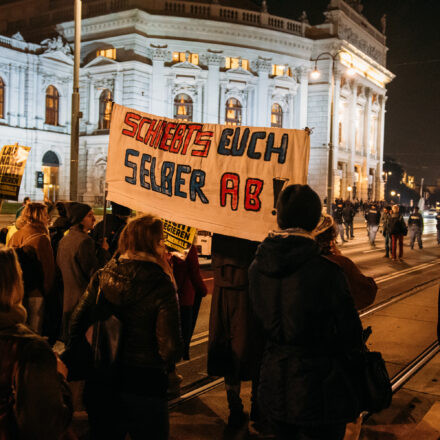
{"points": [[35, 401], [33, 231], [137, 288]]}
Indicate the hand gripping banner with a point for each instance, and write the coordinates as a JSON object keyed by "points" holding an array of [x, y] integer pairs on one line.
{"points": [[219, 178]]}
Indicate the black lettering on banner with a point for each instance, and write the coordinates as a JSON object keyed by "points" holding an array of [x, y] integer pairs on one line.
{"points": [[252, 154], [224, 142], [132, 165], [281, 150], [197, 181], [144, 172], [180, 181]]}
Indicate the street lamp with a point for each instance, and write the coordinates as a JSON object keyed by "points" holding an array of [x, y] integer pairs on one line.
{"points": [[349, 189], [315, 74]]}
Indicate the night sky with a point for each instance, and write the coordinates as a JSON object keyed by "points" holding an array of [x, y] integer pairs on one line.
{"points": [[412, 125]]}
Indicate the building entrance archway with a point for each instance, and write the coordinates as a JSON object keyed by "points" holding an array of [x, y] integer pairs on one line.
{"points": [[50, 167]]}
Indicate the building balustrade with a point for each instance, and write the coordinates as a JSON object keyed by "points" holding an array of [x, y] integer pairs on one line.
{"points": [[62, 13]]}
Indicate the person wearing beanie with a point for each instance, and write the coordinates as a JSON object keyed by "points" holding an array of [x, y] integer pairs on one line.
{"points": [[302, 303], [114, 224], [78, 258]]}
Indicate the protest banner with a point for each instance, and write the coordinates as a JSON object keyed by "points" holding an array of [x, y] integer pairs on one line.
{"points": [[177, 236], [12, 163], [219, 178]]}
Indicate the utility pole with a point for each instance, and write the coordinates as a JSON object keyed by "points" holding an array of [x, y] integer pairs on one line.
{"points": [[74, 136]]}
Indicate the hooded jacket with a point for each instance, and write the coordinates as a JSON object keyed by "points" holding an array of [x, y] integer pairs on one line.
{"points": [[143, 298], [311, 326]]}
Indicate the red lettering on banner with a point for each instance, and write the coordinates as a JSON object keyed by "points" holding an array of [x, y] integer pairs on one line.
{"points": [[133, 124], [141, 124], [229, 185], [152, 132], [191, 129], [159, 134], [167, 136], [206, 143], [252, 193], [178, 137]]}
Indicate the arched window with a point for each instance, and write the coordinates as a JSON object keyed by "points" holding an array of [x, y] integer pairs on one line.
{"points": [[183, 107], [233, 112], [276, 117], [105, 110], [2, 99], [52, 105]]}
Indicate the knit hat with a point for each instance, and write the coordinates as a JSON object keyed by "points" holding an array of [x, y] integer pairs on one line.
{"points": [[77, 211], [118, 209], [298, 206]]}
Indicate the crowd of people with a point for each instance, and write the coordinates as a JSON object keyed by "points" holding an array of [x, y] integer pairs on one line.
{"points": [[284, 315], [388, 219]]}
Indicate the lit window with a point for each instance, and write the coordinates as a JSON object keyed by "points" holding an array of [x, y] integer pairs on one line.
{"points": [[183, 107], [52, 105], [280, 70], [2, 99], [233, 112], [234, 63], [276, 117], [107, 53], [105, 110], [181, 57]]}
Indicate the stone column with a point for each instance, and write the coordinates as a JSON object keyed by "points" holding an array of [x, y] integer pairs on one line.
{"points": [[300, 111], [335, 137], [352, 139], [263, 116], [22, 97], [222, 103], [212, 95], [92, 117], [366, 139], [118, 93], [158, 83], [12, 95], [380, 138]]}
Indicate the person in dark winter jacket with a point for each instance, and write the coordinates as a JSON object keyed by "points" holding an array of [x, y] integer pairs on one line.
{"points": [[363, 289], [348, 214], [415, 226], [114, 224], [35, 401], [398, 230], [385, 222], [339, 219], [78, 258], [137, 288], [310, 325], [373, 219], [232, 346]]}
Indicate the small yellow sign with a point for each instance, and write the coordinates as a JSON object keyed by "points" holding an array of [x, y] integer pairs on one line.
{"points": [[177, 236], [12, 163]]}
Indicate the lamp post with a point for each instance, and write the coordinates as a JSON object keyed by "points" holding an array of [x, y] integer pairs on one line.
{"points": [[315, 75], [349, 189], [76, 114]]}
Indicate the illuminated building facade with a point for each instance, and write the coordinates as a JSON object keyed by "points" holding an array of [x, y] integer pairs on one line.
{"points": [[192, 60]]}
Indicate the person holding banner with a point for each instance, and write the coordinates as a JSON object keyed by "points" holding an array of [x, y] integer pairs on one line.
{"points": [[303, 303], [233, 339]]}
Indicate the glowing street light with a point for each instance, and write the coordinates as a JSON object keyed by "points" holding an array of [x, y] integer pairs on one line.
{"points": [[393, 193]]}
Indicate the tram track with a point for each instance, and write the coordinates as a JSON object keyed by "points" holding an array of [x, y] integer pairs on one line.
{"points": [[397, 381]]}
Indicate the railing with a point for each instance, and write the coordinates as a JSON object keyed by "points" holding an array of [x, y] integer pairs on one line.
{"points": [[359, 19], [213, 11], [17, 44]]}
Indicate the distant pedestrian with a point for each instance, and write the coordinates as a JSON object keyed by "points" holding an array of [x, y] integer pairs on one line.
{"points": [[373, 219], [363, 289], [398, 230], [385, 222], [78, 258], [415, 228], [304, 306], [233, 340], [137, 288], [35, 401], [348, 214], [339, 219], [33, 231]]}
